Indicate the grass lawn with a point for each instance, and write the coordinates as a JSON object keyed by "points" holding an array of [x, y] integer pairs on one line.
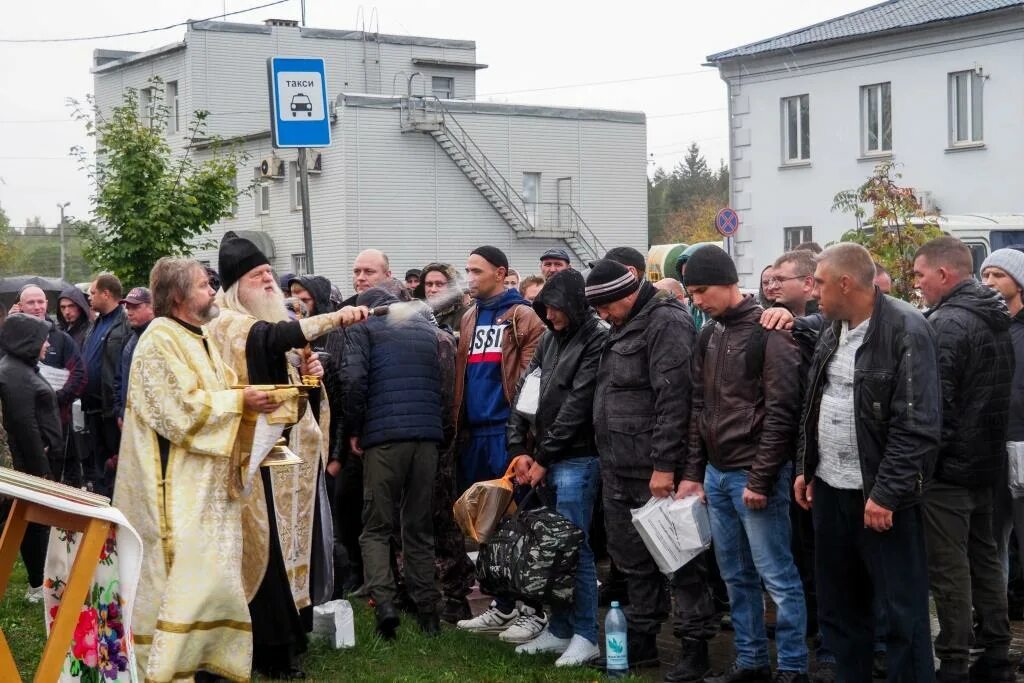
{"points": [[452, 656]]}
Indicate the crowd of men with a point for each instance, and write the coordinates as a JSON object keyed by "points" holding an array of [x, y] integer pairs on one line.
{"points": [[852, 449]]}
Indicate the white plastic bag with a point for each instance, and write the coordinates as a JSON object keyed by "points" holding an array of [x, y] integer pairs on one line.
{"points": [[529, 395], [334, 620], [674, 531], [1015, 463]]}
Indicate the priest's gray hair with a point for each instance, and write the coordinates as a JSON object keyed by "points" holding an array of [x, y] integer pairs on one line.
{"points": [[171, 282], [853, 260], [259, 304]]}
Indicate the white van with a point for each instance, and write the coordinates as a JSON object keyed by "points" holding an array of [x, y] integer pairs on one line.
{"points": [[984, 233]]}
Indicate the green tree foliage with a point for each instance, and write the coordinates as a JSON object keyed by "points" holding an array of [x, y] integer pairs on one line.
{"points": [[149, 201], [896, 227], [5, 244], [678, 203]]}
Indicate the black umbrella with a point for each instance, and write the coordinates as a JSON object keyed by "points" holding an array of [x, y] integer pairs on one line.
{"points": [[10, 287]]}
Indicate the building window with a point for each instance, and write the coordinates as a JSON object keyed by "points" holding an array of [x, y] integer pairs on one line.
{"points": [[173, 111], [796, 129], [965, 98], [299, 264], [531, 196], [443, 87], [147, 107], [795, 236], [234, 195], [262, 194], [876, 118], [296, 185]]}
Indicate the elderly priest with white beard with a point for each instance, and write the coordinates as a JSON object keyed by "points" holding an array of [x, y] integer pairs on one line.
{"points": [[283, 526]]}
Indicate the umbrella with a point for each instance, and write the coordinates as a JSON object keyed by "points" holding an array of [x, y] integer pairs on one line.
{"points": [[10, 287]]}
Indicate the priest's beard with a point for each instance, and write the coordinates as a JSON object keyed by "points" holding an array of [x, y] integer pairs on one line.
{"points": [[261, 304], [206, 313]]}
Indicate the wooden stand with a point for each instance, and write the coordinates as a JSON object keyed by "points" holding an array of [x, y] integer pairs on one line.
{"points": [[57, 645]]}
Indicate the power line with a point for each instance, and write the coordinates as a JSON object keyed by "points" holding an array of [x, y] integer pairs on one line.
{"points": [[586, 85], [141, 32]]}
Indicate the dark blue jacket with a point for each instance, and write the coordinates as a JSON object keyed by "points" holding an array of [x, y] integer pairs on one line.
{"points": [[391, 376], [124, 371]]}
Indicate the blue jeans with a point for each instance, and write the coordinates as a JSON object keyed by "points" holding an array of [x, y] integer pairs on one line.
{"points": [[752, 546], [574, 482]]}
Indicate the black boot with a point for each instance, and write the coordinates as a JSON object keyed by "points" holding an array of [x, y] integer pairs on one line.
{"points": [[428, 622], [455, 611], [738, 675], [643, 650], [693, 664], [994, 670], [387, 620]]}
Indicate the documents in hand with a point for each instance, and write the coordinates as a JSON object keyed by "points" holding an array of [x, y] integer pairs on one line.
{"points": [[674, 531], [56, 377]]}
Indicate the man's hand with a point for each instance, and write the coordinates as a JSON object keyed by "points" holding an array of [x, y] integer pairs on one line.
{"points": [[777, 318], [353, 445], [662, 484], [876, 517], [536, 474], [690, 488], [350, 315], [16, 308], [754, 501], [120, 423], [521, 465], [258, 401], [803, 492], [334, 468], [311, 366]]}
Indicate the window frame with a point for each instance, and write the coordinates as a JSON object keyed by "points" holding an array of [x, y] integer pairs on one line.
{"points": [[261, 195], [974, 107], [297, 259], [450, 89], [532, 206], [802, 126], [884, 91], [173, 111], [294, 185], [804, 232]]}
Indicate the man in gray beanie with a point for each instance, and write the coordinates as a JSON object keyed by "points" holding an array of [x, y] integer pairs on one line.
{"points": [[641, 411]]}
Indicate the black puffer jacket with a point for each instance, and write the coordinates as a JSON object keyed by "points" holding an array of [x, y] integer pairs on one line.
{"points": [[976, 363], [29, 403], [568, 363], [896, 403], [642, 399], [392, 376], [1015, 428]]}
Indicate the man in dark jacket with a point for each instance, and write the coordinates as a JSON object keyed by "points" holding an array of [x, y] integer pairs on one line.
{"points": [[392, 389], [33, 424], [138, 308], [74, 314], [641, 410], [743, 426], [562, 452], [976, 362], [868, 439]]}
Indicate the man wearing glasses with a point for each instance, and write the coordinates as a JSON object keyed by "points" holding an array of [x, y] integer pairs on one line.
{"points": [[792, 280]]}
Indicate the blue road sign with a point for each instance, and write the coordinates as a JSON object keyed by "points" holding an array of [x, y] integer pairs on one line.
{"points": [[727, 222], [299, 115]]}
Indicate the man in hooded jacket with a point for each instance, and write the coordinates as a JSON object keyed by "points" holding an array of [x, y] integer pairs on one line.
{"points": [[74, 316], [563, 453]]}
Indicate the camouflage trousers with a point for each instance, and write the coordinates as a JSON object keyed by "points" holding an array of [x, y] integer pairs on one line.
{"points": [[454, 567]]}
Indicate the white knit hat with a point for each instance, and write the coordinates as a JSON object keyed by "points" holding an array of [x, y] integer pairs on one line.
{"points": [[1009, 260]]}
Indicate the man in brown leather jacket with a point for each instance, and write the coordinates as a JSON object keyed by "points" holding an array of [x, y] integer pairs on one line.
{"points": [[743, 426]]}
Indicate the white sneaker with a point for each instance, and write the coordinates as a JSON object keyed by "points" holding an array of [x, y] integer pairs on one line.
{"points": [[491, 621], [545, 642], [579, 652], [34, 595], [524, 629]]}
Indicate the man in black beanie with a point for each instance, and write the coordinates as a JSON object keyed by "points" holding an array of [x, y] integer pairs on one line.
{"points": [[641, 411], [743, 427]]}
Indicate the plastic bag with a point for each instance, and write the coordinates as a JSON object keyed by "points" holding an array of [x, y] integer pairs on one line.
{"points": [[1015, 463], [481, 507], [529, 395], [674, 531], [334, 620]]}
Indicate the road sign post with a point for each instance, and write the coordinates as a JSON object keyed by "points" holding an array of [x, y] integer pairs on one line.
{"points": [[727, 222], [300, 118]]}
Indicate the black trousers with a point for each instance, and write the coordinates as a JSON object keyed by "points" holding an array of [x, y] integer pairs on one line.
{"points": [[33, 552], [852, 564], [348, 510]]}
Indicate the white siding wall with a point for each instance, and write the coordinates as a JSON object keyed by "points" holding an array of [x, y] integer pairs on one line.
{"points": [[962, 182]]}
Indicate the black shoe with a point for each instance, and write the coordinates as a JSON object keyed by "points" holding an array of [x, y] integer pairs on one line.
{"points": [[880, 665], [405, 603], [826, 673], [455, 611], [642, 649], [387, 620], [428, 623], [693, 664], [738, 675], [988, 669], [791, 677], [947, 674]]}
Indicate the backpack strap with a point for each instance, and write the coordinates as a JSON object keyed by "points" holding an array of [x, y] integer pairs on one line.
{"points": [[756, 348]]}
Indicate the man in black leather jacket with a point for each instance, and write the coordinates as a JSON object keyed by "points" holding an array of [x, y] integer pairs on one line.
{"points": [[976, 363], [868, 440]]}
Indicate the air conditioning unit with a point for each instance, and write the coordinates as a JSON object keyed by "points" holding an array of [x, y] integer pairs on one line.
{"points": [[314, 162], [271, 167]]}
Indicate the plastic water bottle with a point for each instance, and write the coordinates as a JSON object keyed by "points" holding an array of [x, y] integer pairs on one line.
{"points": [[616, 647]]}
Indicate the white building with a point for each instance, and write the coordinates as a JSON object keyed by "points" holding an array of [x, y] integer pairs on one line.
{"points": [[416, 168], [932, 84]]}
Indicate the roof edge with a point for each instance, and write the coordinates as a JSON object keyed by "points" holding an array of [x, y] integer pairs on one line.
{"points": [[500, 108]]}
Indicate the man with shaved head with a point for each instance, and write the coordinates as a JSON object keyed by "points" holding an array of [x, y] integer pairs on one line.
{"points": [[371, 268], [863, 454], [673, 287]]}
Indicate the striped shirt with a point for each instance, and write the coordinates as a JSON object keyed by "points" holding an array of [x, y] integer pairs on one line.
{"points": [[839, 461]]}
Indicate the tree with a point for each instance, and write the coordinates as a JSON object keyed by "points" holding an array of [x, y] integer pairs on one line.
{"points": [[694, 223], [688, 189], [35, 226], [149, 202], [898, 225], [6, 252]]}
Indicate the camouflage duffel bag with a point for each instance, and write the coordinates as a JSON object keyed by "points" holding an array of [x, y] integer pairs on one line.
{"points": [[531, 556]]}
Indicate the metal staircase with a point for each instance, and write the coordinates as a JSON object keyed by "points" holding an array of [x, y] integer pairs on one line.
{"points": [[552, 220]]}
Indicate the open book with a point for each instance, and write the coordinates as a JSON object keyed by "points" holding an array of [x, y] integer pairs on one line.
{"points": [[34, 483]]}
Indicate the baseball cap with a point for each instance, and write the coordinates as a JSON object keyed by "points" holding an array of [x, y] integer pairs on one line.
{"points": [[138, 295], [556, 252]]}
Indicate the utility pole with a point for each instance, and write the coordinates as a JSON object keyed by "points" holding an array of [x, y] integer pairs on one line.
{"points": [[63, 259], [307, 223]]}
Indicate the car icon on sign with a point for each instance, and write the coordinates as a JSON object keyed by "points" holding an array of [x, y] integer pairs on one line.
{"points": [[300, 102]]}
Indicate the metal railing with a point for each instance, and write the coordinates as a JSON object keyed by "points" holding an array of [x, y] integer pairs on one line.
{"points": [[563, 218]]}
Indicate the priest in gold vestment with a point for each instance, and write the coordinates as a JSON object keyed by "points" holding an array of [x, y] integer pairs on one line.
{"points": [[190, 617], [283, 524]]}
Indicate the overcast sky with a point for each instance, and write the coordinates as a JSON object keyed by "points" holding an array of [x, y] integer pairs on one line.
{"points": [[536, 50]]}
